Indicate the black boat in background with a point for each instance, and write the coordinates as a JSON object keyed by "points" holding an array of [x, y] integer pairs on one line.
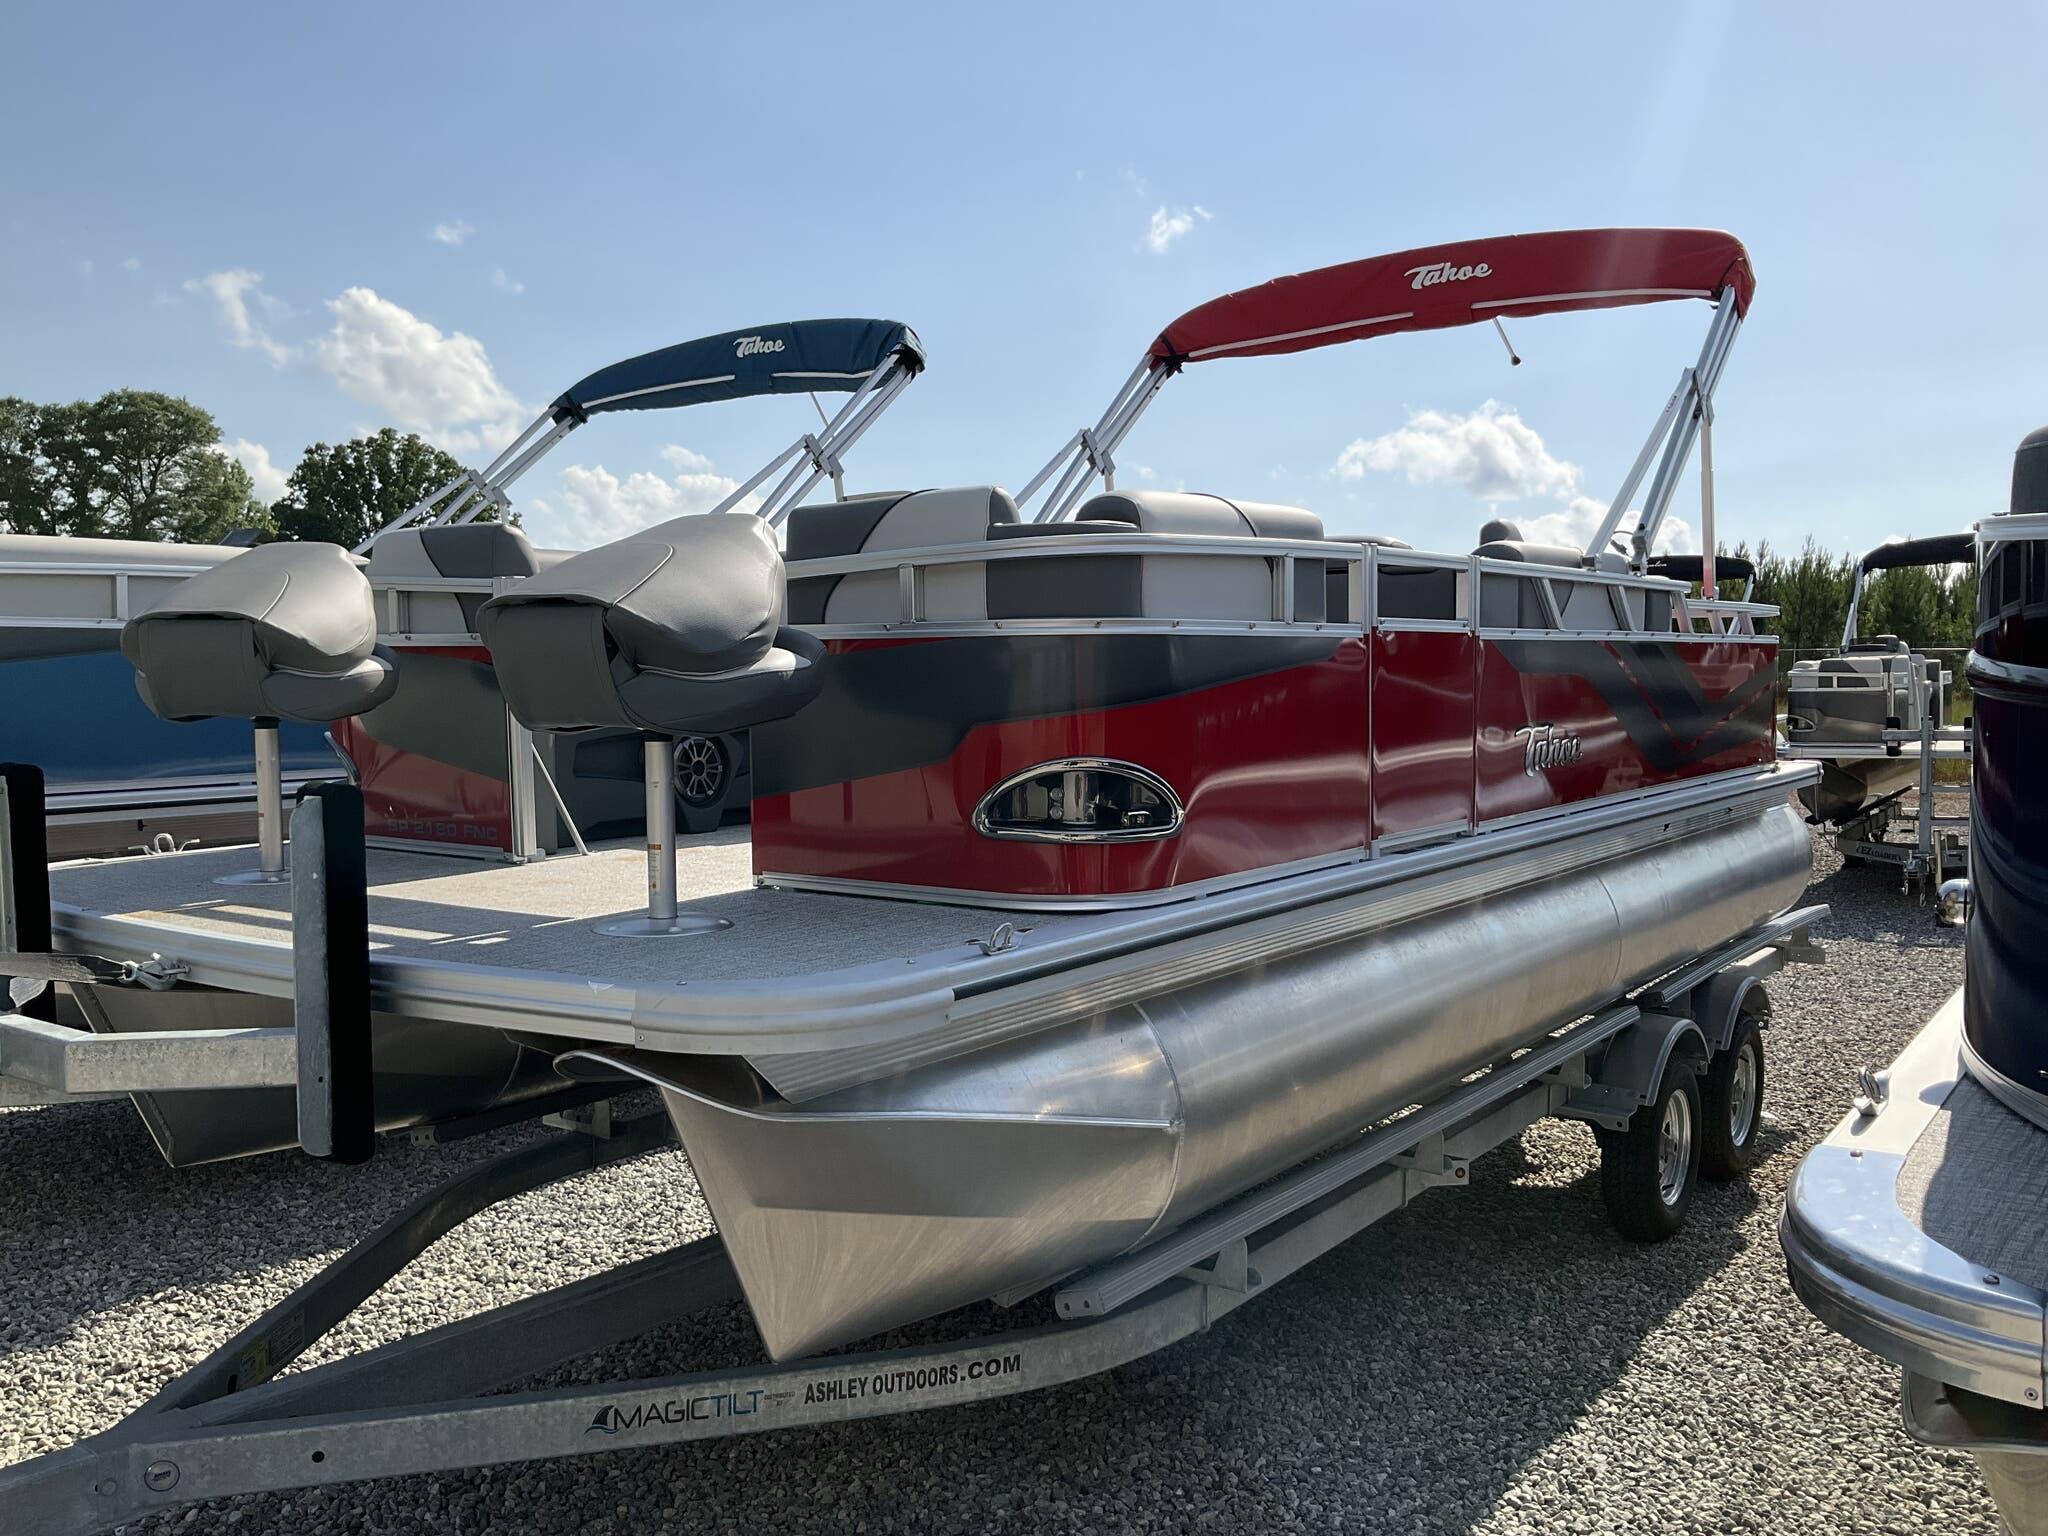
{"points": [[1919, 1227]]}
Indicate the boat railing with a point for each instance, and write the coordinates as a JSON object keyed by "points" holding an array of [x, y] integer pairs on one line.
{"points": [[407, 615], [84, 594]]}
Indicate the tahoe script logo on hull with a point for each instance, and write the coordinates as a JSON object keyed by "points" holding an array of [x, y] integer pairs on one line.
{"points": [[1545, 747], [748, 346]]}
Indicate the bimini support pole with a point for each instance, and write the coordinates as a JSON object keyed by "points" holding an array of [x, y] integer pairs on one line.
{"points": [[1707, 566], [1678, 424], [1091, 451], [1855, 601]]}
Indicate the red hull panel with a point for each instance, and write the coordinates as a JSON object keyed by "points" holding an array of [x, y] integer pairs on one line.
{"points": [[1423, 713], [1271, 769], [422, 799], [1643, 714]]}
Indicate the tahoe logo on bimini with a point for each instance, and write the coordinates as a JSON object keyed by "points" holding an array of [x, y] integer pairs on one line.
{"points": [[1545, 747], [749, 345], [1443, 272]]}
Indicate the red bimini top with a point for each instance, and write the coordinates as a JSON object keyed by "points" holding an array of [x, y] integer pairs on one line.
{"points": [[1465, 283]]}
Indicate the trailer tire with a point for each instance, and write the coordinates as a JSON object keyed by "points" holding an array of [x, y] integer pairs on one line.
{"points": [[1732, 1104], [1647, 1172]]}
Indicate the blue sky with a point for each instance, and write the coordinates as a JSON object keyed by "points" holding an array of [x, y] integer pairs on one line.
{"points": [[242, 205]]}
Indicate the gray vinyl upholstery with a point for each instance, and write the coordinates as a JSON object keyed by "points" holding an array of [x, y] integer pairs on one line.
{"points": [[1166, 585], [1199, 512], [457, 549], [674, 631], [1532, 554], [961, 514], [283, 631]]}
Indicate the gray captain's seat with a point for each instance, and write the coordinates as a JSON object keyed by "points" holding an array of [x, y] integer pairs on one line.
{"points": [[284, 632], [676, 631]]}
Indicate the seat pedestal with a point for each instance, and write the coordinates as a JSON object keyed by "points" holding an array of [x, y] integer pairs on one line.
{"points": [[270, 869], [661, 920]]}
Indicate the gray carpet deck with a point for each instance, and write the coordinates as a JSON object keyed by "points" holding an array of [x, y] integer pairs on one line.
{"points": [[539, 916], [1977, 1183]]}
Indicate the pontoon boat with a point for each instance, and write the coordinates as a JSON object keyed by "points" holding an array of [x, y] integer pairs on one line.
{"points": [[1138, 904], [1862, 714], [1104, 864]]}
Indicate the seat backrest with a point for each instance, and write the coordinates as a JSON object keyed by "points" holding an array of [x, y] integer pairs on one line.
{"points": [[1200, 512], [454, 549], [1171, 584], [960, 514]]}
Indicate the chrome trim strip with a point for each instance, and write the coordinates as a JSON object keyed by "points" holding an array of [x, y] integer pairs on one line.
{"points": [[951, 895], [1870, 1274], [959, 991]]}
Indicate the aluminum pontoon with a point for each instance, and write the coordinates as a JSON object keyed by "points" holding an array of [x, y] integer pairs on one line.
{"points": [[1919, 1227], [1103, 868], [1876, 718]]}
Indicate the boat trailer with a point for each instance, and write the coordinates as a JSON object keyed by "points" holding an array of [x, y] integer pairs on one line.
{"points": [[434, 1401]]}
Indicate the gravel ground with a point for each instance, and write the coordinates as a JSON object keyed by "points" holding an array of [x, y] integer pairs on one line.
{"points": [[1491, 1360]]}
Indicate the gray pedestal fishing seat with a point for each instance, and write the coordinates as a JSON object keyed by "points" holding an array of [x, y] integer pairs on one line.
{"points": [[284, 632], [677, 631]]}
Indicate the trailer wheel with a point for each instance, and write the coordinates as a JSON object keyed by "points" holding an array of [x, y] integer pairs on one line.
{"points": [[1648, 1171], [1732, 1104]]}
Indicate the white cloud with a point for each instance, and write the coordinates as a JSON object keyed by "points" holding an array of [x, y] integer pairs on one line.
{"points": [[245, 309], [598, 507], [454, 232], [131, 265], [687, 460], [1492, 453], [1167, 226], [265, 478], [439, 385], [1495, 456], [505, 283]]}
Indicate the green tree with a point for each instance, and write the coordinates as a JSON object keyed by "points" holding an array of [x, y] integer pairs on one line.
{"points": [[133, 464], [344, 492]]}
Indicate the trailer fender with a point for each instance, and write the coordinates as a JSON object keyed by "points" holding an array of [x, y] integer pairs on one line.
{"points": [[1717, 1005], [1632, 1067]]}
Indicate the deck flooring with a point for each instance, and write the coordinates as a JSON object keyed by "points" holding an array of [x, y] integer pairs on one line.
{"points": [[541, 916], [1976, 1181]]}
